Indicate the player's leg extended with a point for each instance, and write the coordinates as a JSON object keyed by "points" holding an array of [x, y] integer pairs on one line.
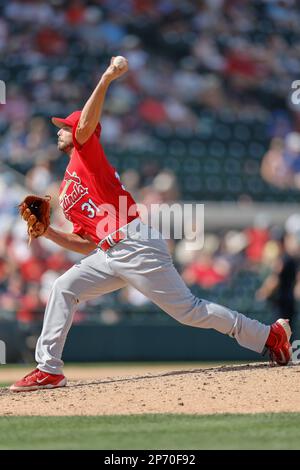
{"points": [[149, 269], [88, 279]]}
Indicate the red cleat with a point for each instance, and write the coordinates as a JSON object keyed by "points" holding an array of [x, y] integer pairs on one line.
{"points": [[278, 342], [38, 380]]}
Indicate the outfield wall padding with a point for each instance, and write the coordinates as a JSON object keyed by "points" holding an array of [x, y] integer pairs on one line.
{"points": [[130, 342], [151, 343]]}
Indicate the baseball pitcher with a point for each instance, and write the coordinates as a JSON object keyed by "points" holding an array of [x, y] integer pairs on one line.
{"points": [[119, 250]]}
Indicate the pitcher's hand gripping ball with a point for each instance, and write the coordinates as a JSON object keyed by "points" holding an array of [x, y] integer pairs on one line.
{"points": [[120, 62], [35, 210]]}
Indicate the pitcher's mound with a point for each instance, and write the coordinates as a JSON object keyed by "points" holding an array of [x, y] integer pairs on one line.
{"points": [[251, 388]]}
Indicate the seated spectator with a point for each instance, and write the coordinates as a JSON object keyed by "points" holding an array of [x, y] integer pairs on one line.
{"points": [[206, 272], [31, 308], [257, 237], [281, 164]]}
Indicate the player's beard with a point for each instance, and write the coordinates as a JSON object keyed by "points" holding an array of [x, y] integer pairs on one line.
{"points": [[63, 147]]}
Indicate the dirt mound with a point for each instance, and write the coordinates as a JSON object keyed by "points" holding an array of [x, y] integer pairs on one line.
{"points": [[250, 388]]}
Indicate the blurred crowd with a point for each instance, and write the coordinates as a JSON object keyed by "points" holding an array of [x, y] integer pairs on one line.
{"points": [[254, 270], [185, 56], [281, 164]]}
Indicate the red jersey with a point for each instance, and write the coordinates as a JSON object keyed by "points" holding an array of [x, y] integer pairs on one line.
{"points": [[91, 194]]}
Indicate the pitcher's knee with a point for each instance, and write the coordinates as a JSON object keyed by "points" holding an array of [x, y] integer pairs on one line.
{"points": [[190, 313], [65, 286]]}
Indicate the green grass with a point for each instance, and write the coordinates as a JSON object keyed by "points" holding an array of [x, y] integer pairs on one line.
{"points": [[260, 431]]}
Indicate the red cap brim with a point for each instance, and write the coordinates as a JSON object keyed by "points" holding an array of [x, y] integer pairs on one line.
{"points": [[59, 122]]}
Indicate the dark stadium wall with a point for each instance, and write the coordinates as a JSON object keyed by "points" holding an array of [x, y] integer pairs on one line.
{"points": [[151, 343], [93, 343]]}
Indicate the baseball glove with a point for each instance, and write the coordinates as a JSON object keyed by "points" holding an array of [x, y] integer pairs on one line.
{"points": [[35, 210]]}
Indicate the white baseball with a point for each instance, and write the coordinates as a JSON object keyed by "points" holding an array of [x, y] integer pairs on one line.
{"points": [[120, 62]]}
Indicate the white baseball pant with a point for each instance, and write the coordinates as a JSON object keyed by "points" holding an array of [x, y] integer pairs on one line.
{"points": [[145, 263]]}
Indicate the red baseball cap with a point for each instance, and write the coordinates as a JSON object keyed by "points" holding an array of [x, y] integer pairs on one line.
{"points": [[71, 121]]}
